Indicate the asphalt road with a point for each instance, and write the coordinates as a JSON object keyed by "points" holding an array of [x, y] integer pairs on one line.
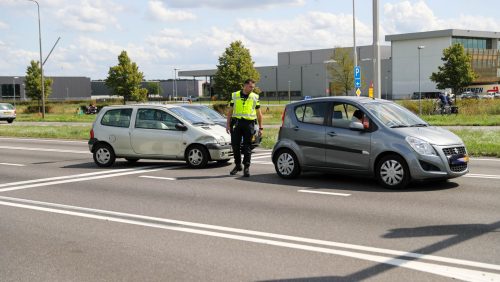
{"points": [[64, 219]]}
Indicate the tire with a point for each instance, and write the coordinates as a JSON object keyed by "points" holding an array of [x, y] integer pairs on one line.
{"points": [[104, 156], [287, 164], [197, 156], [392, 172], [132, 160], [10, 120]]}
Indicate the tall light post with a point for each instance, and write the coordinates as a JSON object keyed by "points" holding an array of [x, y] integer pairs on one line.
{"points": [[376, 51], [419, 92], [175, 81], [41, 60], [14, 88], [355, 55], [289, 96]]}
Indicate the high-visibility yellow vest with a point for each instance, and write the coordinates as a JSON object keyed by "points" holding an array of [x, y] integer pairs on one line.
{"points": [[244, 108]]}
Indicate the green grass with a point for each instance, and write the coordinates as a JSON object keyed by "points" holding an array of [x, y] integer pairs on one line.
{"points": [[269, 138], [462, 119], [57, 132], [481, 142], [56, 118]]}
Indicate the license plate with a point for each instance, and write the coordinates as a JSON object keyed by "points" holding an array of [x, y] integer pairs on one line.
{"points": [[7, 113]]}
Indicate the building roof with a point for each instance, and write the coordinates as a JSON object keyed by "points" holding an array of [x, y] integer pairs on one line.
{"points": [[443, 33]]}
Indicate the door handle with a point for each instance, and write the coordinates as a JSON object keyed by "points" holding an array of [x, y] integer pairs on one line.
{"points": [[332, 134], [296, 128]]}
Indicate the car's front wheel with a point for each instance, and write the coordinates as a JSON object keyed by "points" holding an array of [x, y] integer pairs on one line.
{"points": [[392, 172], [104, 156], [286, 164], [197, 156]]}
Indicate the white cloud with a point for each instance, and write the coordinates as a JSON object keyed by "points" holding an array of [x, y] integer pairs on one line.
{"points": [[89, 15], [233, 4], [172, 38], [3, 25], [158, 11], [408, 16]]}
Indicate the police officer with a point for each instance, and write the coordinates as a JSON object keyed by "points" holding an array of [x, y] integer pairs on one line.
{"points": [[244, 111]]}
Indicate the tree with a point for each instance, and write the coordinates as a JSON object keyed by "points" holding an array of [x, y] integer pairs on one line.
{"points": [[153, 88], [235, 66], [33, 84], [456, 72], [341, 71], [125, 80]]}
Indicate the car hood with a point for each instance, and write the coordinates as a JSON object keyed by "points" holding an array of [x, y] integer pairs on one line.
{"points": [[432, 134], [217, 132]]}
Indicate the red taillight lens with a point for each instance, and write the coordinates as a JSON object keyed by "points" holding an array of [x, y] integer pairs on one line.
{"points": [[92, 133], [283, 118]]}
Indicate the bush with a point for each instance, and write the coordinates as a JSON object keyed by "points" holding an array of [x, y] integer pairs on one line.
{"points": [[221, 108], [33, 109]]}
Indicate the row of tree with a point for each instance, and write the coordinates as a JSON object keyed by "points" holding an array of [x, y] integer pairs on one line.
{"points": [[236, 65]]}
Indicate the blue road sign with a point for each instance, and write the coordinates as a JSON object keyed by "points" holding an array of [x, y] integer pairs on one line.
{"points": [[357, 82], [357, 72]]}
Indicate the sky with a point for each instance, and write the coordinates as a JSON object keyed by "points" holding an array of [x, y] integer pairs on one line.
{"points": [[160, 35]]}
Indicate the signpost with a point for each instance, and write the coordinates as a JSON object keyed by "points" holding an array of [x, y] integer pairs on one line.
{"points": [[357, 77]]}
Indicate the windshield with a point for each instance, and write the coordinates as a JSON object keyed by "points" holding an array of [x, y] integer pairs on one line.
{"points": [[206, 112], [6, 107], [190, 116], [394, 115]]}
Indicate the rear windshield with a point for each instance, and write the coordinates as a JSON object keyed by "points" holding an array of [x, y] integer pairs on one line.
{"points": [[6, 107]]}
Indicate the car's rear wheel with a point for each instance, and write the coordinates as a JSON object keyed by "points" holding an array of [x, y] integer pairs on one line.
{"points": [[197, 156], [392, 172], [132, 160], [286, 164], [104, 156]]}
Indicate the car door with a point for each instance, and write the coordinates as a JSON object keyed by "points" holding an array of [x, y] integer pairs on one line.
{"points": [[309, 132], [347, 148], [155, 134], [115, 129]]}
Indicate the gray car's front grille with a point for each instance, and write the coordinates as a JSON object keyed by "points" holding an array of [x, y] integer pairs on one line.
{"points": [[454, 150], [458, 168]]}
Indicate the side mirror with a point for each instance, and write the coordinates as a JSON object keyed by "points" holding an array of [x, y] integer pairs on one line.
{"points": [[356, 126], [181, 127]]}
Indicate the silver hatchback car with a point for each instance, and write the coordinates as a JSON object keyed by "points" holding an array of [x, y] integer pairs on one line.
{"points": [[166, 132], [364, 136], [7, 112]]}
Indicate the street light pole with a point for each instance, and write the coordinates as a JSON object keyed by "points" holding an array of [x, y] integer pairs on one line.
{"points": [[289, 96], [419, 91], [175, 81], [354, 33], [41, 60], [14, 88]]}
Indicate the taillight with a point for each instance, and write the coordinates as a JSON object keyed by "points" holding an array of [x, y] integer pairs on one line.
{"points": [[92, 133], [283, 118]]}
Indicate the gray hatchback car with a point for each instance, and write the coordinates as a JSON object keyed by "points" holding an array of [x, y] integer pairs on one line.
{"points": [[364, 136]]}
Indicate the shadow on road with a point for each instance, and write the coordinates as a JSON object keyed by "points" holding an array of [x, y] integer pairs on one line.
{"points": [[459, 233], [342, 182]]}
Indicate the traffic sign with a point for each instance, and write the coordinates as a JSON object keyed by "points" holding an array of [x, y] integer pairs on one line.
{"points": [[357, 72], [357, 82], [358, 92]]}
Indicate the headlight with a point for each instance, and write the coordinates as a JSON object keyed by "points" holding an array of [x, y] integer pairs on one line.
{"points": [[420, 146]]}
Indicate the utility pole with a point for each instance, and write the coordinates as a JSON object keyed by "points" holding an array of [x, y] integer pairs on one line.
{"points": [[354, 33], [376, 51]]}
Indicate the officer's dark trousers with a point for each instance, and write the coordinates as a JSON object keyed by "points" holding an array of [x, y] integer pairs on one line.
{"points": [[242, 128]]}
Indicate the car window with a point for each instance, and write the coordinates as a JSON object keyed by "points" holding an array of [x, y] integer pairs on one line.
{"points": [[314, 113], [343, 114], [299, 112], [117, 118], [6, 107], [155, 119]]}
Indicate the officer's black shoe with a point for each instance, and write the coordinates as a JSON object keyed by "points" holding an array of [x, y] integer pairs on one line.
{"points": [[235, 170], [246, 171]]}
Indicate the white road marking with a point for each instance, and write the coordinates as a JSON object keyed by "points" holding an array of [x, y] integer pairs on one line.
{"points": [[261, 162], [12, 164], [325, 193], [64, 177], [157, 177], [44, 140], [161, 223], [261, 157], [261, 154], [44, 150], [489, 160], [487, 176], [135, 171]]}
